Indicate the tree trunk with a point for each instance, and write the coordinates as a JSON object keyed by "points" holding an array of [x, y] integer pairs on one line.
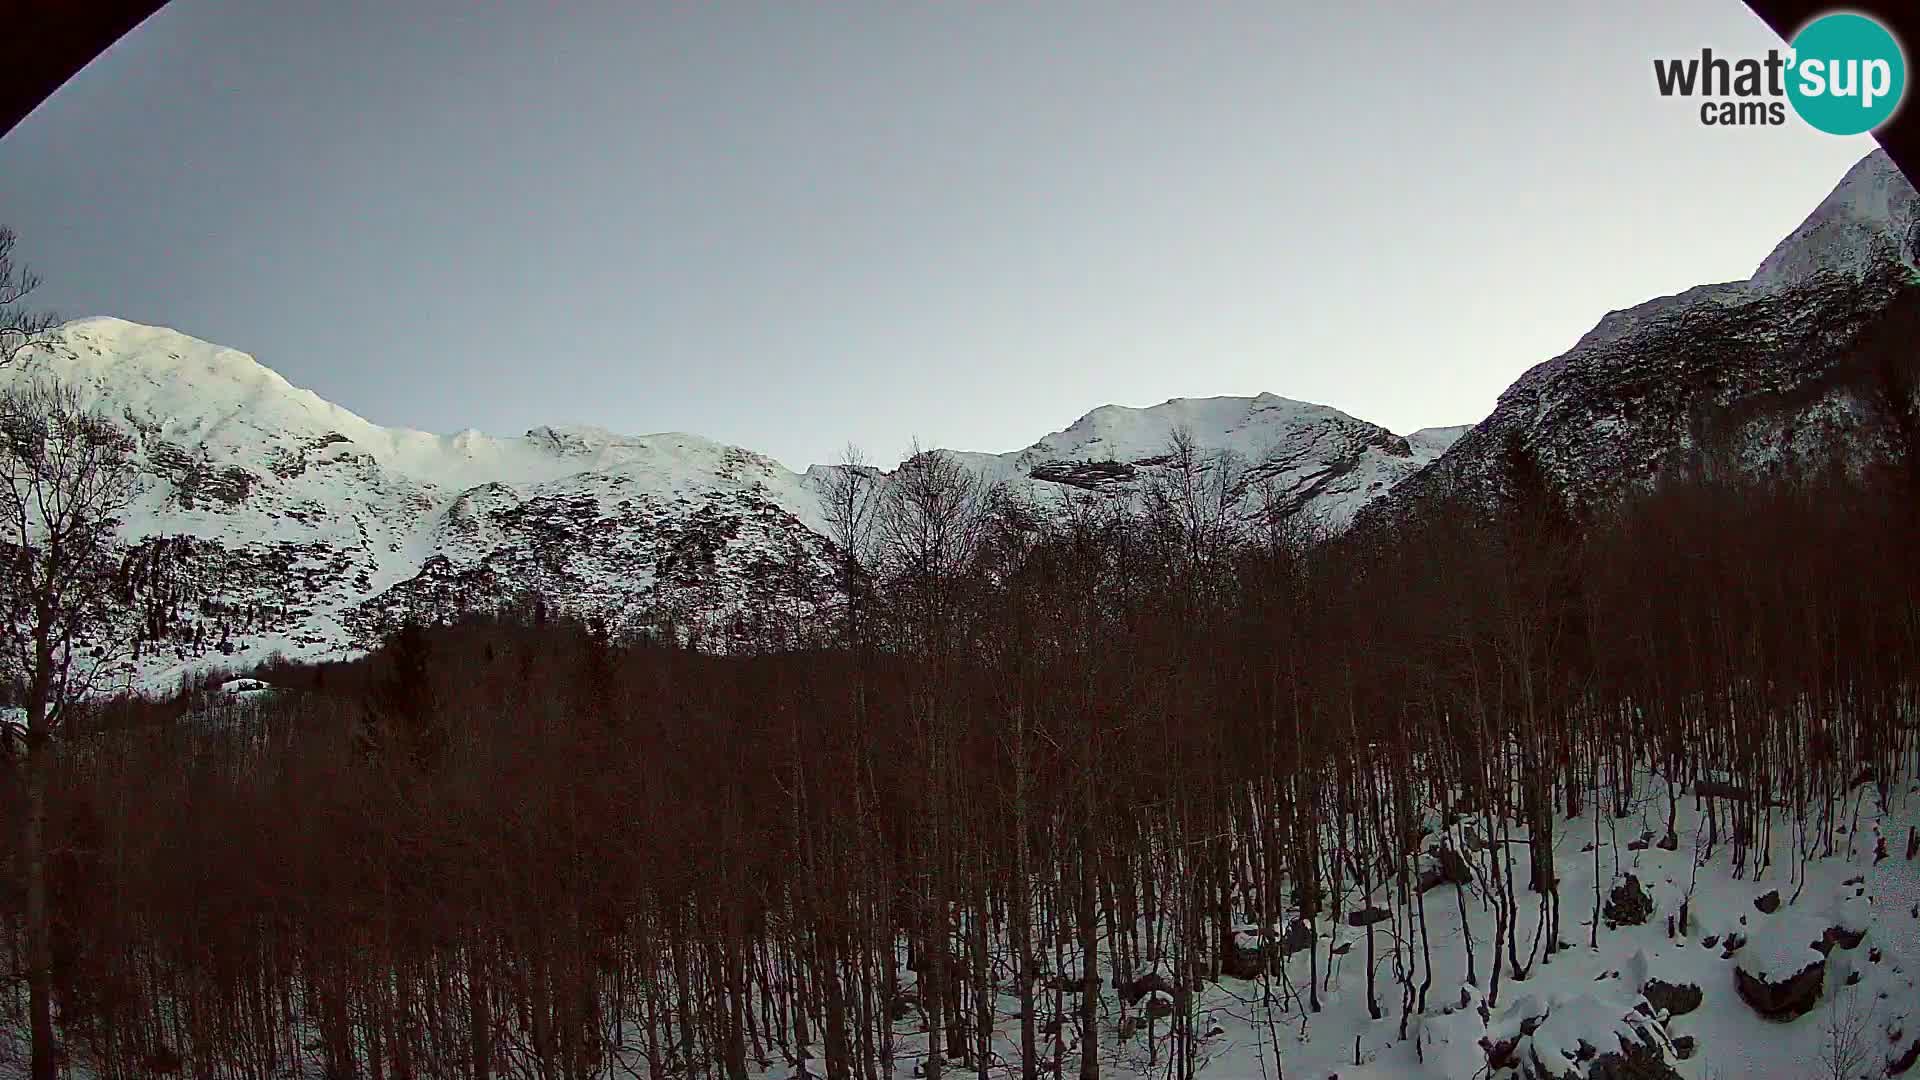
{"points": [[39, 939], [1089, 962], [479, 1016]]}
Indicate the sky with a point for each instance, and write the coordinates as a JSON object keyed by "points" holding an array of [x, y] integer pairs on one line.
{"points": [[797, 226]]}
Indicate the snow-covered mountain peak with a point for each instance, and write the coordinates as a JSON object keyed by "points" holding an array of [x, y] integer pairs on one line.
{"points": [[271, 519], [1315, 459], [167, 373], [225, 408], [1241, 424], [1870, 216], [1870, 219]]}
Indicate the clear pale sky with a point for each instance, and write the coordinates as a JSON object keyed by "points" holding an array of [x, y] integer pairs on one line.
{"points": [[789, 226]]}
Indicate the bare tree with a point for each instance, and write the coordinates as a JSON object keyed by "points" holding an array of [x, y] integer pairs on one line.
{"points": [[930, 522], [849, 497], [65, 476], [19, 327], [1198, 500], [1844, 1045]]}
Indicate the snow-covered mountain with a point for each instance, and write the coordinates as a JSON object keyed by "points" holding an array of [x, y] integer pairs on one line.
{"points": [[270, 520], [1757, 370], [1318, 461]]}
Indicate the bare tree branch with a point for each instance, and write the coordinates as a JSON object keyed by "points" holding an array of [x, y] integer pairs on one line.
{"points": [[19, 327]]}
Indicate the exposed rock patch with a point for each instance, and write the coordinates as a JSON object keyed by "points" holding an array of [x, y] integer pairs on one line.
{"points": [[1676, 999], [1628, 904]]}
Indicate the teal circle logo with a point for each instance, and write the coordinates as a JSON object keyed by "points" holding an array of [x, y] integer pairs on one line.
{"points": [[1848, 74]]}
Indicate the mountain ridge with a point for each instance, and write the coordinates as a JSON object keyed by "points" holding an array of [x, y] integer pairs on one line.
{"points": [[1652, 387], [272, 520], [269, 519]]}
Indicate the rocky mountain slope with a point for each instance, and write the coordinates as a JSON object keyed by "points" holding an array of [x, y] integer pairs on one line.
{"points": [[1755, 372]]}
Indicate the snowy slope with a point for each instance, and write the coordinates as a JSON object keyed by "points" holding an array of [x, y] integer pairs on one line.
{"points": [[1870, 217], [270, 520], [1321, 463], [1596, 991], [1325, 463]]}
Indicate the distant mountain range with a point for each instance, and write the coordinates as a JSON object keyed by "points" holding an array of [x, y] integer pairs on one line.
{"points": [[270, 520]]}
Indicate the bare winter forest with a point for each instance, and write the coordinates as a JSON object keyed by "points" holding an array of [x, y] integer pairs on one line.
{"points": [[1036, 769]]}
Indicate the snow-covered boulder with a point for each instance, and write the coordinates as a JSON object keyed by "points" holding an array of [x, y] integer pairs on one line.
{"points": [[1897, 1065], [1782, 973], [1453, 1041], [1590, 1036], [245, 689], [1782, 996], [1248, 956], [1847, 920]]}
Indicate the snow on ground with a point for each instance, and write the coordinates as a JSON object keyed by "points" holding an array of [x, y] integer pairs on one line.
{"points": [[1586, 1002], [1585, 994], [245, 689]]}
